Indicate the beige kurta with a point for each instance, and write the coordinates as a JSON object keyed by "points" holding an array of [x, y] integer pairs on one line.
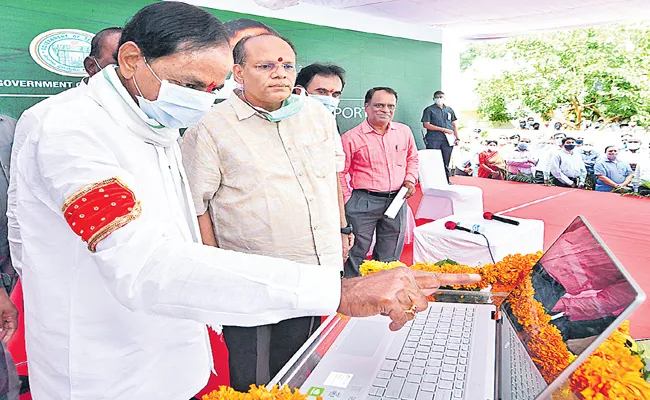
{"points": [[270, 187]]}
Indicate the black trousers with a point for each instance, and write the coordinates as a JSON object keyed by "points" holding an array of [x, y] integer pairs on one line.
{"points": [[558, 182], [257, 354], [446, 150], [460, 172]]}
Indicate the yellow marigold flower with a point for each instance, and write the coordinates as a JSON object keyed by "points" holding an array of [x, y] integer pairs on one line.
{"points": [[256, 393]]}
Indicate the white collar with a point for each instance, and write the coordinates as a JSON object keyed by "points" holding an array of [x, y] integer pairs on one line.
{"points": [[103, 89]]}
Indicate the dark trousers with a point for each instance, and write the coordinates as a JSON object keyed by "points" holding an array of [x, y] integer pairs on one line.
{"points": [[559, 183], [460, 172], [257, 354], [446, 150], [366, 214]]}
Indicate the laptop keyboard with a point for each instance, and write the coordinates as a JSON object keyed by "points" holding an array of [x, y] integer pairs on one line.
{"points": [[525, 383], [432, 363]]}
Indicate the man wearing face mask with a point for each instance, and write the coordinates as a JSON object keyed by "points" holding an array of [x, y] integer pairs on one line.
{"points": [[632, 155], [440, 120], [262, 168], [612, 173], [325, 83], [589, 157], [567, 167], [118, 288], [521, 160]]}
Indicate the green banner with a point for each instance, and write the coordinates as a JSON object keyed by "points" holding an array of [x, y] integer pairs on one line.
{"points": [[44, 42]]}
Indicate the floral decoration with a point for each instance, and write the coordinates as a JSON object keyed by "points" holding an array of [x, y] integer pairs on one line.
{"points": [[614, 371]]}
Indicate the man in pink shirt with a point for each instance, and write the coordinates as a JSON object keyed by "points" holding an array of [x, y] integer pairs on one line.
{"points": [[381, 157]]}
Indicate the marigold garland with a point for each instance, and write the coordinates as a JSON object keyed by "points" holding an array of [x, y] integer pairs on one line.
{"points": [[256, 393], [613, 371]]}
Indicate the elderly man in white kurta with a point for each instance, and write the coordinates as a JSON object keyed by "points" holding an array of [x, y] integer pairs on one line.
{"points": [[117, 286]]}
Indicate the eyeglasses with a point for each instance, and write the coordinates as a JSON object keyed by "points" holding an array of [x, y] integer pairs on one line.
{"points": [[269, 67], [524, 141], [381, 106]]}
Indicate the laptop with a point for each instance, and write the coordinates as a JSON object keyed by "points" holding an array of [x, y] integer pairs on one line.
{"points": [[455, 350]]}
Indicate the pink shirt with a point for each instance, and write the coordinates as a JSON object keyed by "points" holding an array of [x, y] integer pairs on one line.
{"points": [[380, 163]]}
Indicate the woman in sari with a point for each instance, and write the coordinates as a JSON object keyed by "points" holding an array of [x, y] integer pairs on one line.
{"points": [[491, 164]]}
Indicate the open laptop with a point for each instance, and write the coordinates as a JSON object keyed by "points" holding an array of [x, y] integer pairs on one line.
{"points": [[456, 351]]}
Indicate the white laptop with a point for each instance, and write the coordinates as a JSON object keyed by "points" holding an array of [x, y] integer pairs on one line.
{"points": [[455, 351]]}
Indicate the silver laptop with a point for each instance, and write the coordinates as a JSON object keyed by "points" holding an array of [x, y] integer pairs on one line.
{"points": [[456, 351]]}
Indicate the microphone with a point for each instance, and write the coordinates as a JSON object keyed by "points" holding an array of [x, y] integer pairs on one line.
{"points": [[456, 226], [490, 216]]}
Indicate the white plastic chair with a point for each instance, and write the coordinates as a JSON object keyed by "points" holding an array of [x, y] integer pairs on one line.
{"points": [[439, 198]]}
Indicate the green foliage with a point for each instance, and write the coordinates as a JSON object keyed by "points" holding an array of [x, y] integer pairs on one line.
{"points": [[590, 73], [445, 262], [524, 178]]}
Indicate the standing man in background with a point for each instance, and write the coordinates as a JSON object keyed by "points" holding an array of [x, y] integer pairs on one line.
{"points": [[103, 50], [325, 83], [381, 157], [440, 120]]}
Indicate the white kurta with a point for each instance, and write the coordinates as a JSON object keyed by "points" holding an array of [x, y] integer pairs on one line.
{"points": [[128, 321]]}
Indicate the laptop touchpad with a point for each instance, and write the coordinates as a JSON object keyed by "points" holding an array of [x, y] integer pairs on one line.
{"points": [[364, 338]]}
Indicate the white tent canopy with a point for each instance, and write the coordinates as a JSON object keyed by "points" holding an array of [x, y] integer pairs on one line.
{"points": [[481, 19]]}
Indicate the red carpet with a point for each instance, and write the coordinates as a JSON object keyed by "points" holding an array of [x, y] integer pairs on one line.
{"points": [[622, 222]]}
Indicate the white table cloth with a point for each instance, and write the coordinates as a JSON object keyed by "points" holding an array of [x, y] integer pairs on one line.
{"points": [[433, 242]]}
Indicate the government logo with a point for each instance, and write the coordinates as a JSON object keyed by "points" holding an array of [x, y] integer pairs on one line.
{"points": [[62, 51]]}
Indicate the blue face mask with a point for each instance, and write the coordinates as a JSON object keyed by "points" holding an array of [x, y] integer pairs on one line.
{"points": [[176, 107], [438, 101], [569, 146], [331, 103], [523, 146]]}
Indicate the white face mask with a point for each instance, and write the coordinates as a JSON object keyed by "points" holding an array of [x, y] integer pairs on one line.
{"points": [[438, 101], [176, 106], [331, 103], [633, 145]]}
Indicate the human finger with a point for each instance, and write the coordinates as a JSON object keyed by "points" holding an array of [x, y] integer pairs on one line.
{"points": [[7, 333], [430, 282], [398, 318], [458, 279]]}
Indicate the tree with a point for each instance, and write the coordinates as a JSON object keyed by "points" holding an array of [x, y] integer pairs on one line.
{"points": [[587, 74]]}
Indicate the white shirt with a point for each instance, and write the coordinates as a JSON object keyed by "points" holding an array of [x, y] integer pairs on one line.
{"points": [[128, 321], [568, 166], [643, 168], [28, 121], [632, 158]]}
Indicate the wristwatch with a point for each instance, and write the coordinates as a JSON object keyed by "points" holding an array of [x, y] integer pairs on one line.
{"points": [[347, 230]]}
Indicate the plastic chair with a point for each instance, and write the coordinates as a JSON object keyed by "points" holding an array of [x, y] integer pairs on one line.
{"points": [[439, 198]]}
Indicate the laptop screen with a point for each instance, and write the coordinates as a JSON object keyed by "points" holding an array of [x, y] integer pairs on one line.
{"points": [[573, 294]]}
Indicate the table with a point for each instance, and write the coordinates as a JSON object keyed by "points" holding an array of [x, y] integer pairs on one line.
{"points": [[433, 242]]}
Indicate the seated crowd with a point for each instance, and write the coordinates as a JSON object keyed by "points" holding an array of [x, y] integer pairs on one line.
{"points": [[593, 160]]}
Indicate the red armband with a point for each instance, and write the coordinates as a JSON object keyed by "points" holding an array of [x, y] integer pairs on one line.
{"points": [[99, 209]]}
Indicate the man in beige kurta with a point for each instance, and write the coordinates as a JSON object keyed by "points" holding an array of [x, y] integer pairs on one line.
{"points": [[267, 182]]}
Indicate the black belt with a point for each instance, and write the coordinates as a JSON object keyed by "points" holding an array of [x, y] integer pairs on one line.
{"points": [[379, 194]]}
